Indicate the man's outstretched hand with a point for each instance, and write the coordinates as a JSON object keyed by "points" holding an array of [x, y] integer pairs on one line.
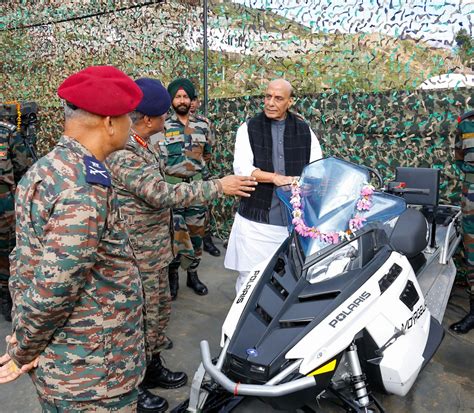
{"points": [[238, 185], [280, 180], [9, 371]]}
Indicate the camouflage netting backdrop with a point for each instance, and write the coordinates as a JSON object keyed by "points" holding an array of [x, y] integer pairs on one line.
{"points": [[356, 68]]}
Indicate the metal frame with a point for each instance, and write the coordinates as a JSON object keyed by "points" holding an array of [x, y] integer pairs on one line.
{"points": [[259, 390], [450, 247]]}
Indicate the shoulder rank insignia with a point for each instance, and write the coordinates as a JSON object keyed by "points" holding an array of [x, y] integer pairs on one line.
{"points": [[203, 119], [96, 173]]}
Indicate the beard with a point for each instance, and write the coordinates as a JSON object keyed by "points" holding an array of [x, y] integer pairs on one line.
{"points": [[182, 109]]}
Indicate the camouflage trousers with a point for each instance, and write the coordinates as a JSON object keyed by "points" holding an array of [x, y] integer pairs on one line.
{"points": [[7, 234], [125, 403], [209, 220], [189, 229], [156, 288], [467, 206]]}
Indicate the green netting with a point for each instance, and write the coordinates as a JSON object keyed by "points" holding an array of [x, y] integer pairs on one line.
{"points": [[356, 67]]}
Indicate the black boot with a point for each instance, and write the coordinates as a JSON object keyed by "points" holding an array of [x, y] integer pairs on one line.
{"points": [[158, 375], [467, 323], [150, 403], [173, 276], [208, 246], [5, 302], [195, 283]]}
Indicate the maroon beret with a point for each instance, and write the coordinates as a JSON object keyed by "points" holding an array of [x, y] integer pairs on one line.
{"points": [[103, 90]]}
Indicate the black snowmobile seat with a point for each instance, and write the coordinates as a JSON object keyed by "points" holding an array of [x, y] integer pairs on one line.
{"points": [[409, 234]]}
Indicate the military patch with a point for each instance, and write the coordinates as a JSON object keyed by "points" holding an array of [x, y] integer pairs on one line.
{"points": [[174, 139], [172, 133], [96, 173]]}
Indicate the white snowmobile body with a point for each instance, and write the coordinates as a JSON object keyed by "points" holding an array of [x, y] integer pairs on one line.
{"points": [[366, 311]]}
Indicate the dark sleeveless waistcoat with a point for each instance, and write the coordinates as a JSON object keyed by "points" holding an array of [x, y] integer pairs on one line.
{"points": [[297, 147]]}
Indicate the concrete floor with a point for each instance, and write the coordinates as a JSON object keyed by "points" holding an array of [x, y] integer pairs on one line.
{"points": [[445, 385]]}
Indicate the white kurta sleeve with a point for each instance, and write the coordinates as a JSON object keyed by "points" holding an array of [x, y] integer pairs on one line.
{"points": [[243, 154], [316, 152]]}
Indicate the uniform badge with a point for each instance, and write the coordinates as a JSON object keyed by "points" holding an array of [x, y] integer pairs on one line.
{"points": [[96, 173], [172, 133]]}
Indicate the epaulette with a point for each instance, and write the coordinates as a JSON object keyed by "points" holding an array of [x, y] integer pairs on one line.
{"points": [[7, 125], [465, 116], [96, 172], [203, 118]]}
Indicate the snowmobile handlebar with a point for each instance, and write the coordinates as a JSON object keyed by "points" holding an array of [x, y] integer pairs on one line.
{"points": [[400, 188], [261, 390]]}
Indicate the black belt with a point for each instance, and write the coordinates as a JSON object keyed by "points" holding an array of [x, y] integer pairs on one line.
{"points": [[175, 180], [4, 188]]}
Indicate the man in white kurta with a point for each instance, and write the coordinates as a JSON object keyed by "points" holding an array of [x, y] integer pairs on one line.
{"points": [[273, 147]]}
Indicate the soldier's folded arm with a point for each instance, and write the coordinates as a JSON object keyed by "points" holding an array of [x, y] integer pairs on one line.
{"points": [[71, 237]]}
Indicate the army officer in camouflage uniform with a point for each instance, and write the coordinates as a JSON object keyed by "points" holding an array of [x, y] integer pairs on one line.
{"points": [[464, 156], [186, 147], [15, 159], [145, 200], [207, 242], [77, 293]]}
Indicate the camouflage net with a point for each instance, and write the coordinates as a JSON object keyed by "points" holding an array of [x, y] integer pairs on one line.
{"points": [[383, 131], [356, 67]]}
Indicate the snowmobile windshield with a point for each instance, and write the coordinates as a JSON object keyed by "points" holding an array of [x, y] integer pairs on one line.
{"points": [[329, 192]]}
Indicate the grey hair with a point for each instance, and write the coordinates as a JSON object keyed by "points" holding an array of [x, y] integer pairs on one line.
{"points": [[136, 116], [70, 113]]}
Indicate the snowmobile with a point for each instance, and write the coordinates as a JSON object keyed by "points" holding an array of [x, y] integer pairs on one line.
{"points": [[351, 303]]}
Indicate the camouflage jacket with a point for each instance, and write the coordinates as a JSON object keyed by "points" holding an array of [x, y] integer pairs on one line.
{"points": [[145, 200], [14, 156], [185, 148], [464, 146], [76, 288]]}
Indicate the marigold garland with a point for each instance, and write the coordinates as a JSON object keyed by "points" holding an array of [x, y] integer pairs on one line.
{"points": [[330, 237]]}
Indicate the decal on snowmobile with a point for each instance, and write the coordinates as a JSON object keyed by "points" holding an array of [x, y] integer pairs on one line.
{"points": [[414, 318], [247, 286], [252, 352], [331, 366], [350, 308]]}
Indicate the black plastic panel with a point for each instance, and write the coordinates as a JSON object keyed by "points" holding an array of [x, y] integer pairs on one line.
{"points": [[409, 296], [388, 279], [270, 301]]}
